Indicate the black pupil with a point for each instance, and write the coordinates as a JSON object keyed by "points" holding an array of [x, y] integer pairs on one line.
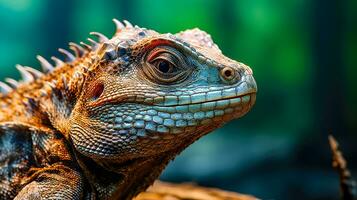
{"points": [[164, 66], [228, 73]]}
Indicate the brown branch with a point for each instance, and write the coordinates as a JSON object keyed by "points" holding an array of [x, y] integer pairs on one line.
{"points": [[188, 191], [347, 184]]}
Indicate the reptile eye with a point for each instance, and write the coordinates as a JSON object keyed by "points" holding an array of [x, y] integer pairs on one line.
{"points": [[164, 66]]}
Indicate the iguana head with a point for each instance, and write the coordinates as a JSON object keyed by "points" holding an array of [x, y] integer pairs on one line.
{"points": [[143, 97], [148, 93]]}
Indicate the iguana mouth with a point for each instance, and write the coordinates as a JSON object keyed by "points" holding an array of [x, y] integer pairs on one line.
{"points": [[186, 98], [240, 97], [212, 100]]}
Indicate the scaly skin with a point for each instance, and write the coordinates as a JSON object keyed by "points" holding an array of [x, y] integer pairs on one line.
{"points": [[105, 123]]}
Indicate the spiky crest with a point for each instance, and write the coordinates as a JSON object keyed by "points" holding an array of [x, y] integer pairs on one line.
{"points": [[30, 74]]}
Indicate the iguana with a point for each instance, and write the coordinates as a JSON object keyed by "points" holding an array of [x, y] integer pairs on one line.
{"points": [[104, 123]]}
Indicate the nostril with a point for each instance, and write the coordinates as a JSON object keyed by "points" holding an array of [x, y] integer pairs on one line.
{"points": [[229, 74], [96, 91]]}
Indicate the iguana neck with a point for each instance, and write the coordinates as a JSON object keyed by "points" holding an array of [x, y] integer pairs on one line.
{"points": [[122, 180], [125, 179]]}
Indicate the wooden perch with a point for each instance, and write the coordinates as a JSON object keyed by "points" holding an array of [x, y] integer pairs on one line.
{"points": [[188, 191], [347, 184]]}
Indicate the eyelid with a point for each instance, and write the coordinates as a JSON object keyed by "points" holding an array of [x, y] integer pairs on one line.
{"points": [[169, 58], [154, 54], [164, 50]]}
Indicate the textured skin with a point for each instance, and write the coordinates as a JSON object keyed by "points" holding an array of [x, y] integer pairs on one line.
{"points": [[104, 123]]}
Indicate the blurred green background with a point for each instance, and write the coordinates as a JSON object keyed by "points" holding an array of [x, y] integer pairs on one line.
{"points": [[303, 54]]}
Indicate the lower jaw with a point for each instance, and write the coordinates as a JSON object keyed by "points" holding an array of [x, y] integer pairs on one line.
{"points": [[207, 113], [176, 119], [198, 127], [235, 111]]}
